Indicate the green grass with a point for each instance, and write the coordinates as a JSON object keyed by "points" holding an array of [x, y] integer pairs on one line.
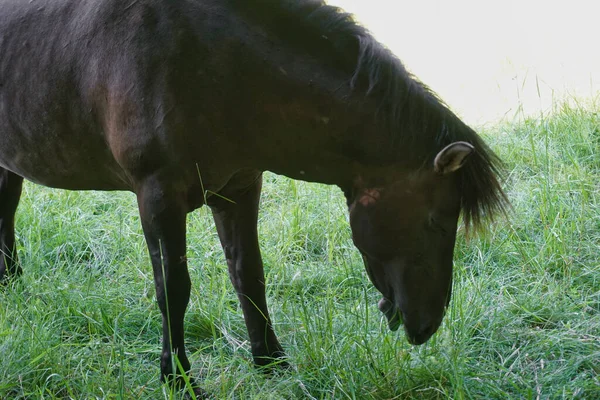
{"points": [[524, 321]]}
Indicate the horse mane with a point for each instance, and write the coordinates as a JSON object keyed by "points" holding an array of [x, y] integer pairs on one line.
{"points": [[414, 116]]}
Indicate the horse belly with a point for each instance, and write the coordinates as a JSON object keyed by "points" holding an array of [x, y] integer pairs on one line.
{"points": [[73, 164]]}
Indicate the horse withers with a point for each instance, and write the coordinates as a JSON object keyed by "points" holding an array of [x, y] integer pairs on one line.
{"points": [[187, 102]]}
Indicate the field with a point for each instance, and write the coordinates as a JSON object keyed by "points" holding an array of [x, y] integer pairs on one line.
{"points": [[524, 321]]}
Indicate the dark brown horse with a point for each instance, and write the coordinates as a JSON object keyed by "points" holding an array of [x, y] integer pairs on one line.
{"points": [[187, 102]]}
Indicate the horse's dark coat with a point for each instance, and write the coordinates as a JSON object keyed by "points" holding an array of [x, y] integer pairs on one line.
{"points": [[178, 99]]}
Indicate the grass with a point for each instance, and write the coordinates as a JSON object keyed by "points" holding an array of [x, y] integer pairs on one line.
{"points": [[524, 321]]}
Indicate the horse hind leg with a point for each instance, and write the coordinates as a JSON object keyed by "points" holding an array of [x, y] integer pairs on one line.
{"points": [[10, 193]]}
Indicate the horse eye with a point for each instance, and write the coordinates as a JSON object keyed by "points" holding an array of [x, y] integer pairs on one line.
{"points": [[349, 194], [436, 225]]}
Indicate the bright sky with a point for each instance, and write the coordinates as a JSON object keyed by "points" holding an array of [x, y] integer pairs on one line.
{"points": [[486, 57]]}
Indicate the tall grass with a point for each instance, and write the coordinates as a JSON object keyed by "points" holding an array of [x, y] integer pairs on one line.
{"points": [[524, 321]]}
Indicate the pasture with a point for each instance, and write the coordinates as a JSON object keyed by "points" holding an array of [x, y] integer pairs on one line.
{"points": [[524, 320]]}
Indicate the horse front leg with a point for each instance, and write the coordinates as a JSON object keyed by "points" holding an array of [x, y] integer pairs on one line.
{"points": [[163, 218], [10, 193], [236, 219]]}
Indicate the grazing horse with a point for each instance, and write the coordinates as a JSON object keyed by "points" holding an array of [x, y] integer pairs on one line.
{"points": [[187, 102]]}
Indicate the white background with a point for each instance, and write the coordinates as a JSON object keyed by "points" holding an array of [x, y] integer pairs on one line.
{"points": [[488, 58]]}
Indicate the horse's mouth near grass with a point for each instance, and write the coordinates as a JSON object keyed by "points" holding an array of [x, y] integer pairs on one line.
{"points": [[391, 312]]}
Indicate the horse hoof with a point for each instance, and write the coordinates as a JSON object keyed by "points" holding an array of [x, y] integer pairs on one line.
{"points": [[271, 365], [186, 387], [8, 276], [199, 394]]}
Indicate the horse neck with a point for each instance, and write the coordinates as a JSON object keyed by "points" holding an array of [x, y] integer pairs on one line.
{"points": [[336, 137], [321, 129], [313, 134]]}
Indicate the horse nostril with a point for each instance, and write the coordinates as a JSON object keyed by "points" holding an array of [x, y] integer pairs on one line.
{"points": [[427, 331], [423, 334], [391, 312]]}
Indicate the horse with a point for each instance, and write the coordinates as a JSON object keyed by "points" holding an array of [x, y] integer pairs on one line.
{"points": [[186, 103]]}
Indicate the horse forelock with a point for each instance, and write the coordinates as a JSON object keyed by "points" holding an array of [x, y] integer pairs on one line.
{"points": [[482, 197]]}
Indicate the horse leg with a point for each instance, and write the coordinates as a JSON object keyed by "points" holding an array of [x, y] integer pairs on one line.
{"points": [[163, 221], [236, 225], [10, 193]]}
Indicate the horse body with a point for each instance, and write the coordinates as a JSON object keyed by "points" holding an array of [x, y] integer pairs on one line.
{"points": [[179, 100]]}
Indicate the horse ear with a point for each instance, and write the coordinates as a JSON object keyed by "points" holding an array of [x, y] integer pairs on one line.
{"points": [[452, 157]]}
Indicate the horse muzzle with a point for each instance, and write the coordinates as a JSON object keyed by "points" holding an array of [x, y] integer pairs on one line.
{"points": [[416, 334]]}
